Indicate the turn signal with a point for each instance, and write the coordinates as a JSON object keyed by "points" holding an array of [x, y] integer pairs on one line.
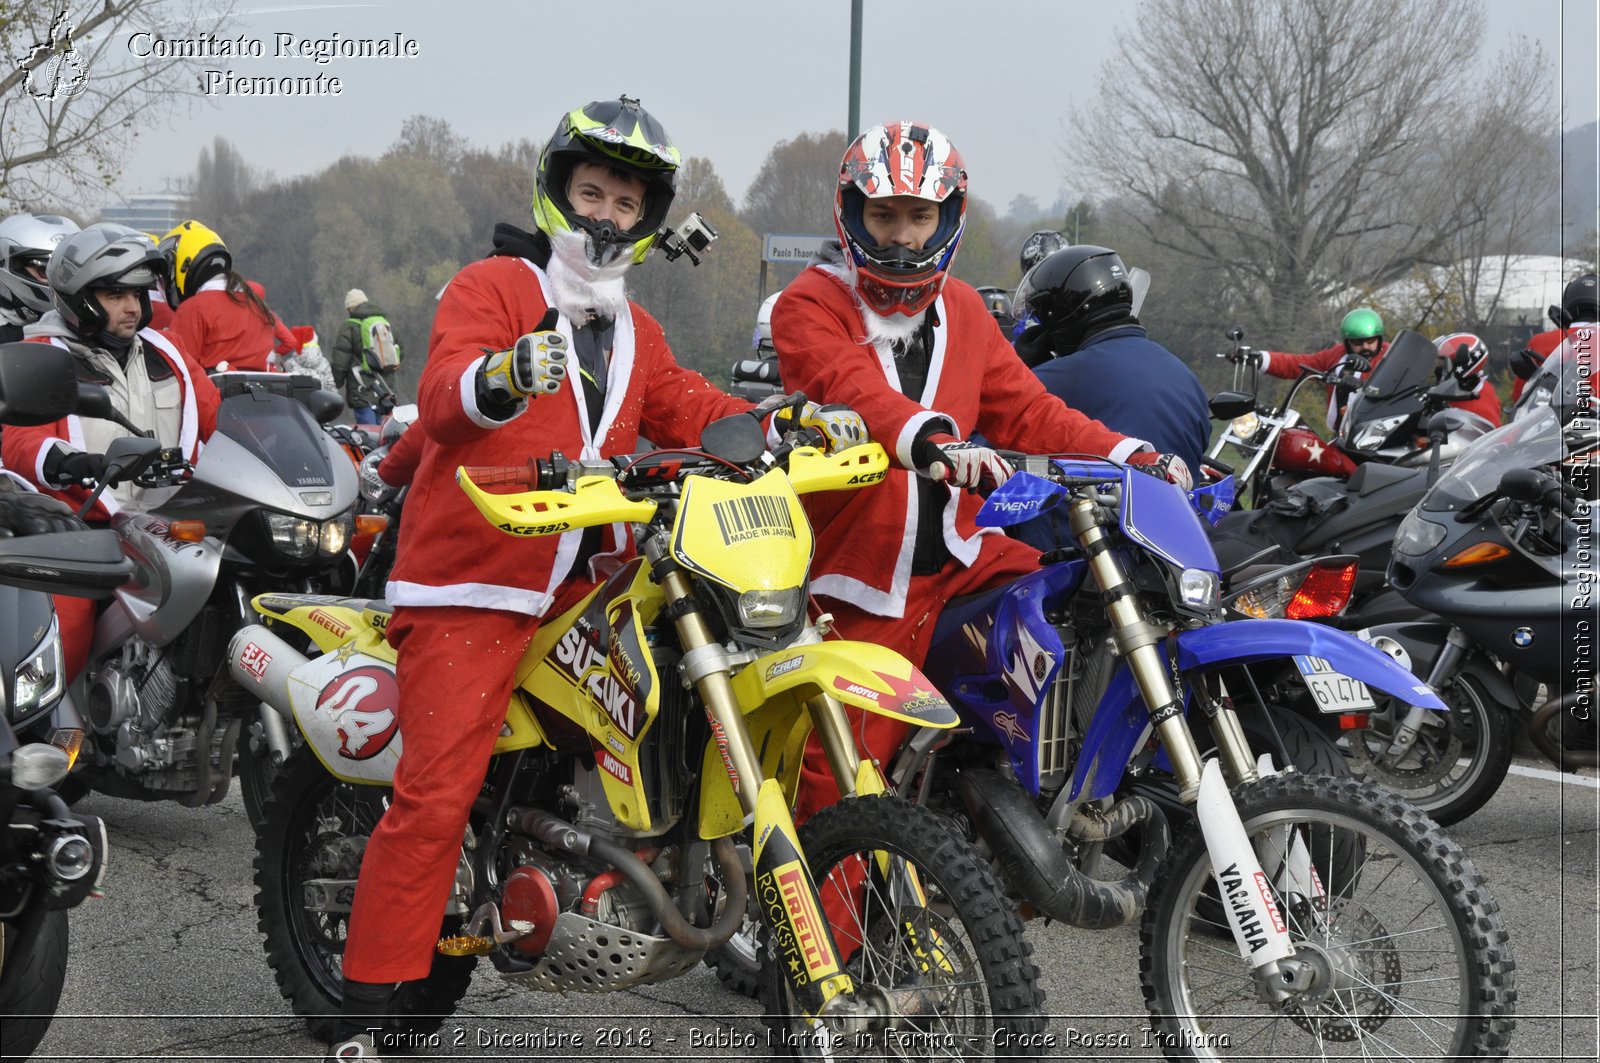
{"points": [[370, 523], [70, 741], [187, 531], [1324, 592], [1478, 554]]}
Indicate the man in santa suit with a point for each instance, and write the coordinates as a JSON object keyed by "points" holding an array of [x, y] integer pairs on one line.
{"points": [[880, 326]]}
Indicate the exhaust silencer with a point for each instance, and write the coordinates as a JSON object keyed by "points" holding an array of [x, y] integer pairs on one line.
{"points": [[260, 662]]}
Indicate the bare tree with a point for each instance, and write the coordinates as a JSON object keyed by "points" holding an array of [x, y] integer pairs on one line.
{"points": [[80, 86], [793, 190], [1297, 148]]}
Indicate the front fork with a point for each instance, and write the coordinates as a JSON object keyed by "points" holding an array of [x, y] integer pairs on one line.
{"points": [[1257, 922], [784, 890]]}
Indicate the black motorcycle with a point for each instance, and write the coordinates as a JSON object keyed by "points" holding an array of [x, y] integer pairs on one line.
{"points": [[51, 858]]}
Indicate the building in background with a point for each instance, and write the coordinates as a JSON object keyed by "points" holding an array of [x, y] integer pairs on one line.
{"points": [[150, 212]]}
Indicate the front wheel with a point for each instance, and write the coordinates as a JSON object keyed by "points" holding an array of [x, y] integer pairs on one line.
{"points": [[308, 856], [1460, 757], [1405, 947], [951, 963], [33, 970]]}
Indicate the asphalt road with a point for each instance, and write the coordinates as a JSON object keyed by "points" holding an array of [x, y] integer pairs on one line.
{"points": [[168, 965]]}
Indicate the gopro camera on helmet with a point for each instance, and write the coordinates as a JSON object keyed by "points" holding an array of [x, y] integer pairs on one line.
{"points": [[691, 238]]}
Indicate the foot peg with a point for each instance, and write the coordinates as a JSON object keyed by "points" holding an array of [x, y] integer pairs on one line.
{"points": [[472, 942]]}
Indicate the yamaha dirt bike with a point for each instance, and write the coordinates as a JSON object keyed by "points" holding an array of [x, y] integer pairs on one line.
{"points": [[268, 505], [1356, 925], [651, 723], [51, 858]]}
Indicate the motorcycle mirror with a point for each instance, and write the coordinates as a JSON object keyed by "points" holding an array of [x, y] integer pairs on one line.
{"points": [[1226, 405], [38, 383], [737, 438], [325, 405], [1235, 333], [406, 413], [132, 454], [1139, 281], [1522, 485]]}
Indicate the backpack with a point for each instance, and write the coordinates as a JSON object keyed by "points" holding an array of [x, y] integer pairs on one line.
{"points": [[378, 347]]}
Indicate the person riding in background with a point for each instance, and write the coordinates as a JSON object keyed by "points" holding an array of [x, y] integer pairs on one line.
{"points": [[1580, 304], [26, 241], [100, 282], [544, 320], [1040, 244], [877, 323], [218, 316], [1091, 352]]}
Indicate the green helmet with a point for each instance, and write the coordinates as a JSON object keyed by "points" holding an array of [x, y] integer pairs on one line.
{"points": [[1361, 324], [617, 133]]}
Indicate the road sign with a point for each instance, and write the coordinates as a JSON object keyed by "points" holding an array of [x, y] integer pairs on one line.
{"points": [[791, 247]]}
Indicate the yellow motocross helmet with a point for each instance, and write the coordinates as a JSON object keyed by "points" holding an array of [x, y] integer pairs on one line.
{"points": [[194, 254], [617, 133]]}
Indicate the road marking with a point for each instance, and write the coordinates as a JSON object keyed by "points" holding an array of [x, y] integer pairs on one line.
{"points": [[1564, 777]]}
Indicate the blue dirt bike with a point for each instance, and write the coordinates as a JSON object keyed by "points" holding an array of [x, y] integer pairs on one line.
{"points": [[1356, 925]]}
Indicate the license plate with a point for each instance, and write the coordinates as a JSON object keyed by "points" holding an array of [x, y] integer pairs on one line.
{"points": [[1335, 692]]}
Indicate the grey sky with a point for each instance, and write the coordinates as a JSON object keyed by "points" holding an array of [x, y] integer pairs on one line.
{"points": [[728, 78]]}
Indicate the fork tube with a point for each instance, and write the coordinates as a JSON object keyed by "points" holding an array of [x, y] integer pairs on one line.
{"points": [[833, 731], [1233, 745], [716, 691], [1138, 641]]}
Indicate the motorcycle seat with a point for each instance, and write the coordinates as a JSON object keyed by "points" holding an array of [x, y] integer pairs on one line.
{"points": [[1374, 476]]}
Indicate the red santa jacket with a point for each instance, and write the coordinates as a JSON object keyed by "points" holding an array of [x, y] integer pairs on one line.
{"points": [[215, 328], [24, 449], [1542, 344], [1485, 402], [976, 384], [399, 466], [449, 554]]}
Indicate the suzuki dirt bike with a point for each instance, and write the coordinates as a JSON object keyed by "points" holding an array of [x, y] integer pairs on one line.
{"points": [[650, 724], [1356, 925], [268, 505]]}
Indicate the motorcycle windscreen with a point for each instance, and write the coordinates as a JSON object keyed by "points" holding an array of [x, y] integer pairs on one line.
{"points": [[1395, 386], [1530, 443], [279, 432]]}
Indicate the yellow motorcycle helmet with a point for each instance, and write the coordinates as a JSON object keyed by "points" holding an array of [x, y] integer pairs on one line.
{"points": [[194, 254]]}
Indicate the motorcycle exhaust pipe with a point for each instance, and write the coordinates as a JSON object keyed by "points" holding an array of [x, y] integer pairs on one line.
{"points": [[564, 835], [260, 662], [1565, 759], [1032, 862]]}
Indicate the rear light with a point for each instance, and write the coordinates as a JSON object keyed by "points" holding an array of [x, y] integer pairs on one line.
{"points": [[1324, 592], [1354, 721]]}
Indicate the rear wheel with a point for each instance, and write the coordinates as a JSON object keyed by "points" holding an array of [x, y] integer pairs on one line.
{"points": [[315, 829], [951, 966], [1403, 945]]}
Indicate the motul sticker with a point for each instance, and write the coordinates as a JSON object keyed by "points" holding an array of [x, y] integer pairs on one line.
{"points": [[1266, 902], [361, 703], [254, 660], [857, 689], [616, 769]]}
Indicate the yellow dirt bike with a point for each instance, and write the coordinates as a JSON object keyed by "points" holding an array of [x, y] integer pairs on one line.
{"points": [[652, 724]]}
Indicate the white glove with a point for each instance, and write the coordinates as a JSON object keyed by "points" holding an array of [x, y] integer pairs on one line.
{"points": [[374, 488], [969, 465]]}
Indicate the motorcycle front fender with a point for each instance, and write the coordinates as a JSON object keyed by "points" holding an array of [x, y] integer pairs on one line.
{"points": [[1121, 721]]}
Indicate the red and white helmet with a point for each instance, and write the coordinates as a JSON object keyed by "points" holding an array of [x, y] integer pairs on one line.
{"points": [[900, 159], [1476, 360]]}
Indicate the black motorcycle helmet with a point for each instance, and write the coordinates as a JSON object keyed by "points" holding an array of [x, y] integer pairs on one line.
{"points": [[1075, 291], [1580, 301]]}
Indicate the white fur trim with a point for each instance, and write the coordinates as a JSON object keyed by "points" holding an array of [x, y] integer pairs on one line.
{"points": [[1128, 447], [963, 550], [1266, 359], [941, 331], [468, 386], [476, 595], [890, 603], [902, 443], [189, 424]]}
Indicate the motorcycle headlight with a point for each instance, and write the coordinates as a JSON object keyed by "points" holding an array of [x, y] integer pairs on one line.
{"points": [[1373, 433], [1416, 536], [1199, 590], [41, 678], [293, 536], [1245, 425], [770, 608], [335, 534]]}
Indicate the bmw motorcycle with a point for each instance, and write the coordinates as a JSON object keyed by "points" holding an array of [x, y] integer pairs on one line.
{"points": [[269, 506]]}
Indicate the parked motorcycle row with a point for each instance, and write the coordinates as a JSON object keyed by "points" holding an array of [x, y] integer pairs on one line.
{"points": [[1240, 730]]}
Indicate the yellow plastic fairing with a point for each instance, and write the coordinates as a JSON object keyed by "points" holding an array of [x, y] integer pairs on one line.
{"points": [[595, 500], [747, 536], [860, 466]]}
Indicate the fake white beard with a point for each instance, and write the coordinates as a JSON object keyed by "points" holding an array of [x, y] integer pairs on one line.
{"points": [[885, 332], [579, 287]]}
